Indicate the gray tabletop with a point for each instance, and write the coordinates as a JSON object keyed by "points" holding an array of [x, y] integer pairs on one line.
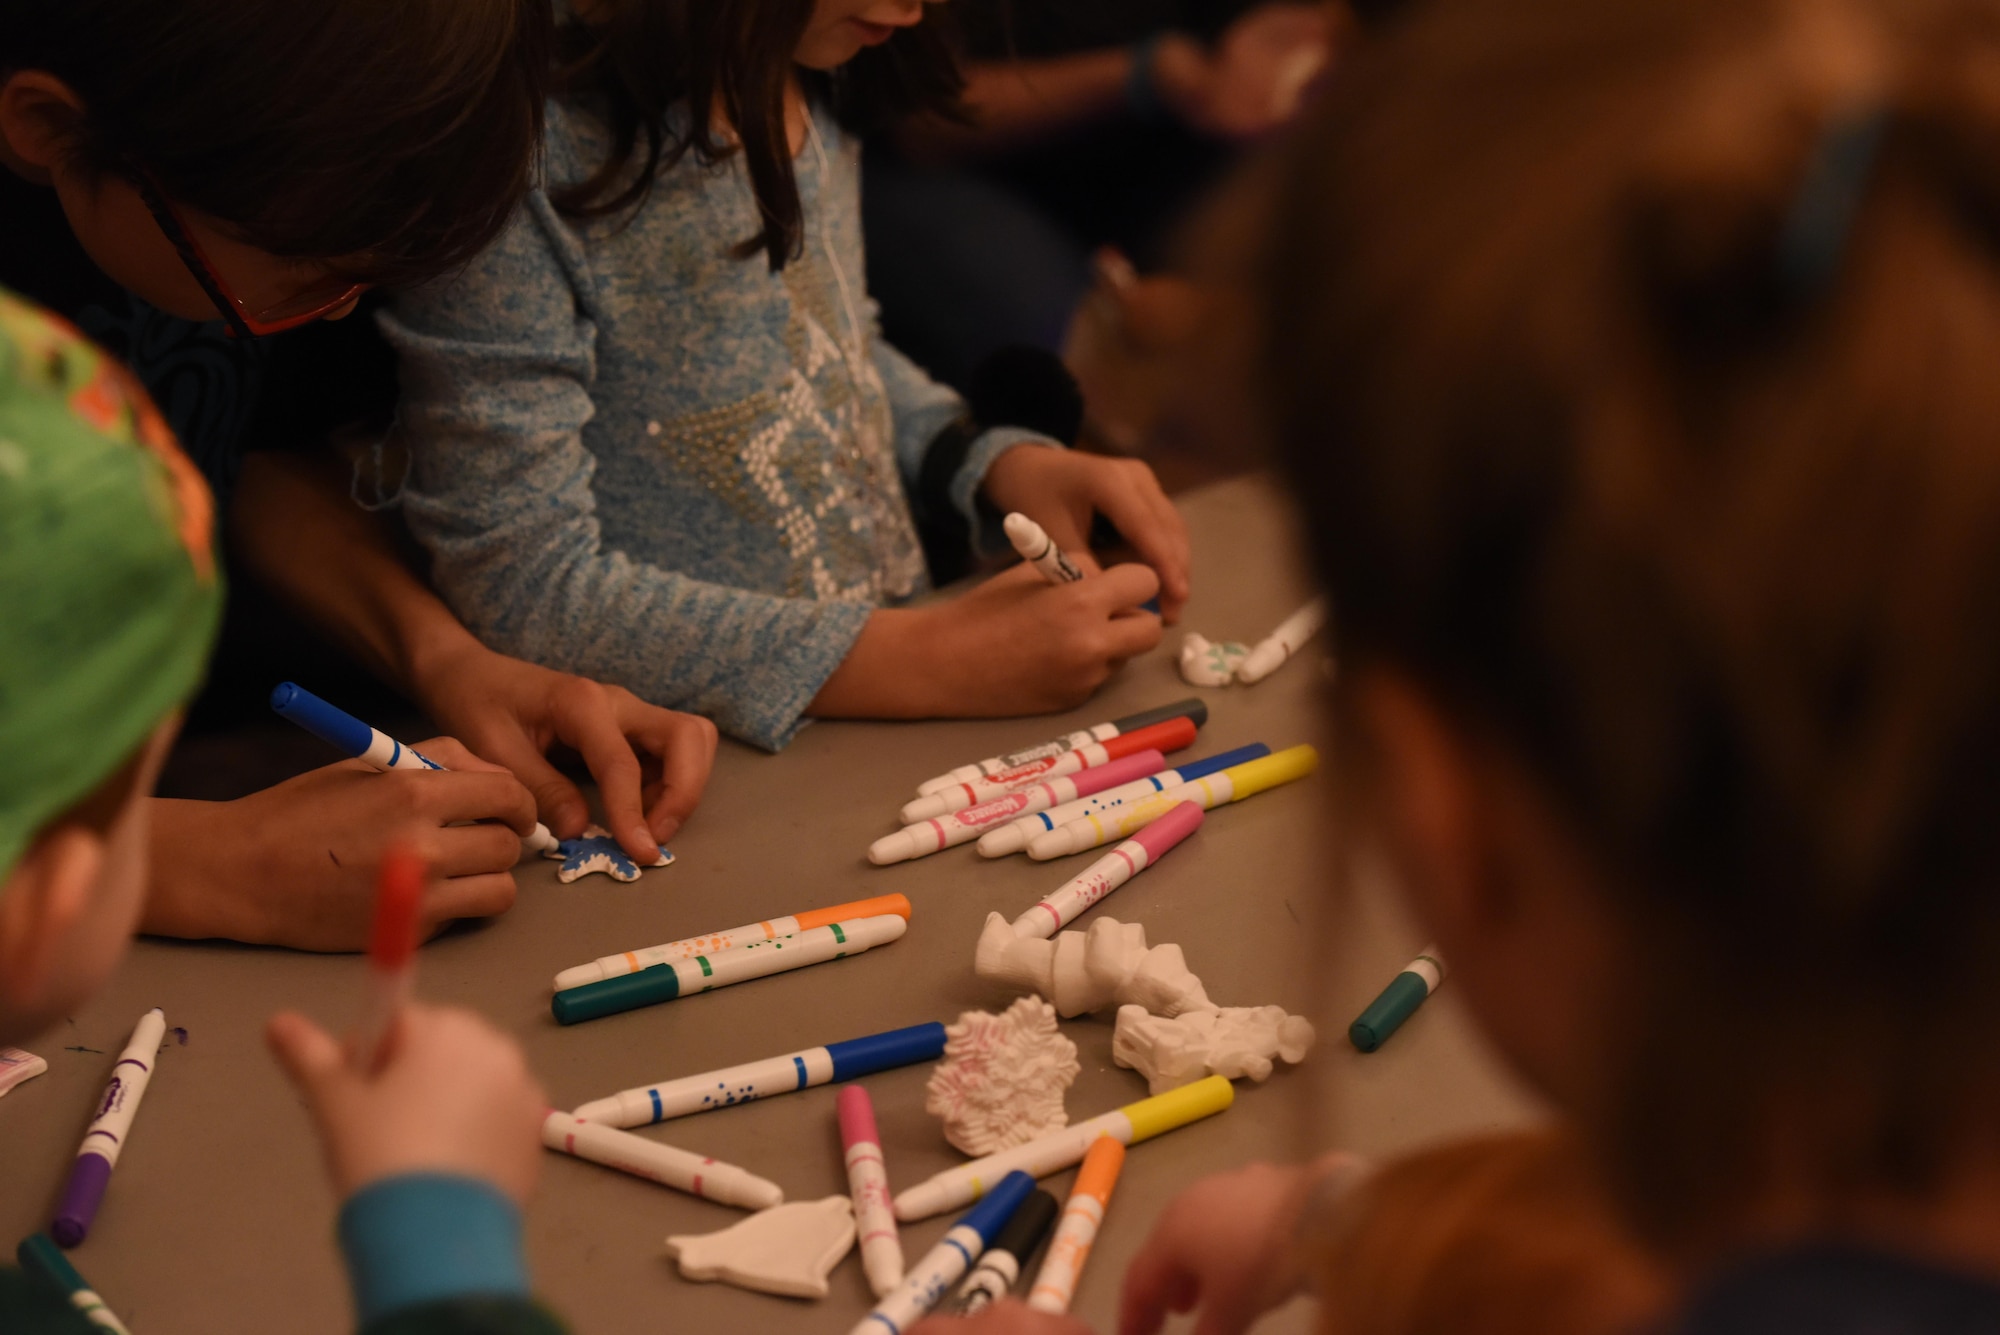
{"points": [[219, 1217]]}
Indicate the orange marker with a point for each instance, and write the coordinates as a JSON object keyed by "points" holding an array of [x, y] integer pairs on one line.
{"points": [[1081, 1218], [632, 961]]}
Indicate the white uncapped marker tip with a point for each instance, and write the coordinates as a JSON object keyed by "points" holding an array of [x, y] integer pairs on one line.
{"points": [[891, 848]]}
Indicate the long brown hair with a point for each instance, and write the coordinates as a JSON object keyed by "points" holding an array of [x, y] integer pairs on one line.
{"points": [[398, 134], [708, 77], [1637, 366]]}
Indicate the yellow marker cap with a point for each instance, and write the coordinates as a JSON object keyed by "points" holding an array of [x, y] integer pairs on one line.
{"points": [[1254, 776], [860, 908], [1177, 1107], [1099, 1173]]}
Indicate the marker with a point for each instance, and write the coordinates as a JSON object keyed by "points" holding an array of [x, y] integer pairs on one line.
{"points": [[1015, 834], [1039, 796], [631, 961], [1039, 550], [1171, 735], [392, 947], [868, 1183], [705, 973], [109, 1130], [1082, 1216], [1121, 864], [41, 1258], [1290, 637], [1059, 1149], [1192, 708], [17, 1067], [1000, 1265], [774, 1075], [1218, 789], [710, 1179], [952, 828], [1398, 1002], [371, 746], [943, 1264]]}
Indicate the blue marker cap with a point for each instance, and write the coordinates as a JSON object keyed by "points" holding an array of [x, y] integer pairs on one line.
{"points": [[885, 1051], [997, 1206], [336, 727], [1201, 769], [627, 991]]}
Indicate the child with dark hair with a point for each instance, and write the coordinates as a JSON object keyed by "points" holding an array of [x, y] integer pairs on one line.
{"points": [[656, 437], [1635, 365], [110, 596], [181, 181]]}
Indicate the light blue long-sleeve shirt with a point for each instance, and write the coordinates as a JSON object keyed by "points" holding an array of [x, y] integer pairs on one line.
{"points": [[640, 459]]}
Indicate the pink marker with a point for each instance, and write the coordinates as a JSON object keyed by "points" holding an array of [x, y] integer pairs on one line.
{"points": [[1171, 735], [868, 1181], [392, 947], [949, 829], [1109, 872]]}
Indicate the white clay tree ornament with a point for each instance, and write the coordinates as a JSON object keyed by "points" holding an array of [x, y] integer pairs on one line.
{"points": [[1003, 1078]]}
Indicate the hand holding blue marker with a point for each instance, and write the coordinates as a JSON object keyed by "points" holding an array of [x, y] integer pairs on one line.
{"points": [[371, 746]]}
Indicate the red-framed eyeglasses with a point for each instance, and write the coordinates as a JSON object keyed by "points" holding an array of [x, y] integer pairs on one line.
{"points": [[314, 303]]}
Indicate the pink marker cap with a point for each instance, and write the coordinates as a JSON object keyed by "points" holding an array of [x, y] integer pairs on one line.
{"points": [[857, 1117], [1182, 819], [1114, 772]]}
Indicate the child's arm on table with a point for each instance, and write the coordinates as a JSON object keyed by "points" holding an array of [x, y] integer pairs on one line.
{"points": [[294, 524], [433, 1157]]}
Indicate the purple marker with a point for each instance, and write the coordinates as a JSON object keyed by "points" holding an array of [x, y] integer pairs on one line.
{"points": [[98, 1154]]}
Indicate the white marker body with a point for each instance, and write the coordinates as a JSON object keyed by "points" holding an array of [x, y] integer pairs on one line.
{"points": [[950, 829], [1015, 834], [385, 753], [129, 1078], [1039, 550], [1038, 1158], [566, 1133], [1290, 636], [974, 792], [87, 1302], [925, 1284], [1089, 832], [631, 961], [760, 959], [1428, 966], [711, 1089], [1067, 902], [1055, 1285], [991, 1281], [874, 1218], [1027, 755]]}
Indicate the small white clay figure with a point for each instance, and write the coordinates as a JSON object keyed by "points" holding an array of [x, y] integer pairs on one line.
{"points": [[1274, 649], [787, 1250], [1209, 663], [596, 851], [1232, 1042], [1083, 972], [1003, 1078], [1023, 963]]}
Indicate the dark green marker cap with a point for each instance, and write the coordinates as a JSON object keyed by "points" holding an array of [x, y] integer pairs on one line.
{"points": [[628, 991], [1385, 1014]]}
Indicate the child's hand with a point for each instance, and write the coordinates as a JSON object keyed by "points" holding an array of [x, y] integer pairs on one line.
{"points": [[1063, 490], [1006, 1317], [294, 865], [512, 712], [1225, 1245], [453, 1096]]}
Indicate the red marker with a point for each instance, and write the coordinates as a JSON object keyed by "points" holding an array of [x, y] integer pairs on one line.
{"points": [[392, 947]]}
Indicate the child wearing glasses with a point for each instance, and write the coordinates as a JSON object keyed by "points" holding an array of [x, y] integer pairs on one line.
{"points": [[209, 189], [657, 438]]}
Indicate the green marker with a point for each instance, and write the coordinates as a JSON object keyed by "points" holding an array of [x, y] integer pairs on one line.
{"points": [[40, 1256], [1398, 1002], [705, 973]]}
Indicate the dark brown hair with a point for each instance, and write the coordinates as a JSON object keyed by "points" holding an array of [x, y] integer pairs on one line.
{"points": [[673, 77], [1705, 536], [396, 134]]}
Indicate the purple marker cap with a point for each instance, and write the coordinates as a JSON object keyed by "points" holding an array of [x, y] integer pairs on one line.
{"points": [[88, 1178], [1182, 819]]}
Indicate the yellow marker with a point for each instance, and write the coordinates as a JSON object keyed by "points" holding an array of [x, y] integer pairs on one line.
{"points": [[1059, 1149], [1231, 785], [1081, 1218], [632, 961]]}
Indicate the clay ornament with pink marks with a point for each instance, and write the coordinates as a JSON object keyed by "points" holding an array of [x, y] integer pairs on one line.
{"points": [[1003, 1078]]}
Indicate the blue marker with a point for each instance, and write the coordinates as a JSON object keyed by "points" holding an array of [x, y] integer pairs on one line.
{"points": [[371, 746], [926, 1282], [1015, 835], [773, 1075]]}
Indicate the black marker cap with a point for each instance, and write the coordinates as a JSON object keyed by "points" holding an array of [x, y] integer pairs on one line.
{"points": [[1193, 707], [1030, 1224]]}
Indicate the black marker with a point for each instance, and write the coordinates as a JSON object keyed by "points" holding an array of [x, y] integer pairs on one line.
{"points": [[1002, 1262]]}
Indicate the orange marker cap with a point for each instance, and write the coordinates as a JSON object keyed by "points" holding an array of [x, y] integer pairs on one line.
{"points": [[1099, 1173], [860, 908]]}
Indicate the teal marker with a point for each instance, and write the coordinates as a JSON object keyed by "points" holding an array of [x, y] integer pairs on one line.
{"points": [[39, 1256], [1398, 1002]]}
